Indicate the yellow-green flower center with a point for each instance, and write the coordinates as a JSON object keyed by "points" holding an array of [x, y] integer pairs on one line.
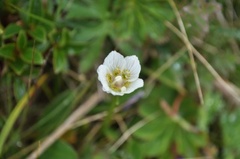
{"points": [[118, 80]]}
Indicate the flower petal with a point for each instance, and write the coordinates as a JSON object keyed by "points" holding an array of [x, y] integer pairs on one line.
{"points": [[114, 60], [133, 65], [102, 72], [134, 85], [117, 93]]}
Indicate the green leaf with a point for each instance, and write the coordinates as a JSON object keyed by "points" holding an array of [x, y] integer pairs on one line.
{"points": [[19, 88], [7, 51], [186, 148], [151, 130], [213, 104], [135, 149], [59, 150], [230, 123], [161, 144], [147, 107], [228, 32], [60, 62], [11, 30], [32, 55], [55, 112], [95, 31], [38, 33], [22, 40], [89, 58], [140, 20], [229, 59], [64, 38], [89, 11], [18, 66]]}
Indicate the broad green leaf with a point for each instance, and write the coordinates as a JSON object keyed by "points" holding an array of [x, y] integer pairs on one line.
{"points": [[32, 56], [7, 51], [162, 143], [59, 150], [140, 20], [135, 149], [198, 140], [21, 40], [18, 66], [165, 139], [19, 88], [151, 130], [60, 61], [96, 31], [11, 30], [36, 8], [38, 33], [185, 147]]}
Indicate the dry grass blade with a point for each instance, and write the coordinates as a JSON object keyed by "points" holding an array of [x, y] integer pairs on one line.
{"points": [[190, 51], [130, 131], [226, 86], [81, 111]]}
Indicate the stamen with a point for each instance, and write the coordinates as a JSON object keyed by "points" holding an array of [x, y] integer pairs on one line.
{"points": [[119, 82], [118, 79], [126, 74]]}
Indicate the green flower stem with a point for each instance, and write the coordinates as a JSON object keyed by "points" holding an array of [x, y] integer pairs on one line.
{"points": [[17, 110], [110, 112]]}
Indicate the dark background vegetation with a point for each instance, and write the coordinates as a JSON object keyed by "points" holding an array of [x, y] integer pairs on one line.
{"points": [[49, 52]]}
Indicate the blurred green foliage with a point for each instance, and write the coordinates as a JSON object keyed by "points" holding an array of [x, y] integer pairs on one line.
{"points": [[67, 40]]}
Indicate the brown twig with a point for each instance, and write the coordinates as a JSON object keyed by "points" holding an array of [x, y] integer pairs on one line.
{"points": [[80, 112], [131, 130], [177, 102], [176, 118], [226, 85], [190, 51]]}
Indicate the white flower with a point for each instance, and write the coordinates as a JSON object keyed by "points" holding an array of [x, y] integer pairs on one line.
{"points": [[119, 75]]}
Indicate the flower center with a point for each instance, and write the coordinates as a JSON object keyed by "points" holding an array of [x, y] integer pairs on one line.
{"points": [[118, 80]]}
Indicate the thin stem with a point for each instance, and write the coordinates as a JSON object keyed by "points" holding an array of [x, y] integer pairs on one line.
{"points": [[100, 116], [131, 130], [108, 119], [66, 125], [24, 151], [190, 51], [214, 73], [17, 110], [25, 111]]}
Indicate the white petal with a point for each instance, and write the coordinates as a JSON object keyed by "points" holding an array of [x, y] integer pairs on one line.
{"points": [[133, 65], [134, 85], [114, 60], [102, 72], [117, 93]]}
